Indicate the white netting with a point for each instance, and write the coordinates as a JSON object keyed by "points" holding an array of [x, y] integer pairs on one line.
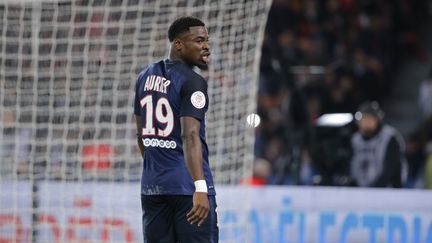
{"points": [[67, 78]]}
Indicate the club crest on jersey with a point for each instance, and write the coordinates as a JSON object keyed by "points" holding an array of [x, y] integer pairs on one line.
{"points": [[198, 99]]}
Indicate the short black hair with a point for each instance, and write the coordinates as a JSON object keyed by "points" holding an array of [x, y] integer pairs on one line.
{"points": [[182, 25]]}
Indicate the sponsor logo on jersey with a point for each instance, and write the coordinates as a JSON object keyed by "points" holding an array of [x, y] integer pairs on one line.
{"points": [[154, 142]]}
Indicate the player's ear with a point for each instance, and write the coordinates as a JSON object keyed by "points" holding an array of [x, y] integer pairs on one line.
{"points": [[178, 44]]}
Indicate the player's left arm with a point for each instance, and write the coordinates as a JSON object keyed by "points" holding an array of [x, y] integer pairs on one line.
{"points": [[192, 148], [193, 108]]}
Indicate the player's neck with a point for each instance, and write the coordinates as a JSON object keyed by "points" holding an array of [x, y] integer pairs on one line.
{"points": [[174, 56]]}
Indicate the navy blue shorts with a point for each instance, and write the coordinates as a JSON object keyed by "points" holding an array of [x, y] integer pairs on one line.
{"points": [[164, 221]]}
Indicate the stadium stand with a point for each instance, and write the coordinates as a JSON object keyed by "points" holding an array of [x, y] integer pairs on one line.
{"points": [[327, 57]]}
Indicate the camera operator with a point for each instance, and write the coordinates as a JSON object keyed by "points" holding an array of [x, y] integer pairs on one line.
{"points": [[378, 150]]}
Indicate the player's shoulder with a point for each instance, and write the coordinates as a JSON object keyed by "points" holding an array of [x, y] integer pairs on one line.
{"points": [[151, 68], [183, 71], [146, 70], [190, 74]]}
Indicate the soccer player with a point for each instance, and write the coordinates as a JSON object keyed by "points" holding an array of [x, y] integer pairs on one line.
{"points": [[177, 191]]}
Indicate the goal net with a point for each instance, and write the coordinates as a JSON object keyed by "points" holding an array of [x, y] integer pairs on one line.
{"points": [[69, 163]]}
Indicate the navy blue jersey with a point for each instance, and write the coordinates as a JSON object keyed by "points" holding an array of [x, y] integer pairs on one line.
{"points": [[166, 91]]}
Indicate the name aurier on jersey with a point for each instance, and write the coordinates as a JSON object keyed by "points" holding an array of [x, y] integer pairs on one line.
{"points": [[156, 83]]}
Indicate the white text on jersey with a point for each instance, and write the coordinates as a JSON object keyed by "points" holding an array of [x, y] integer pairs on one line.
{"points": [[156, 83]]}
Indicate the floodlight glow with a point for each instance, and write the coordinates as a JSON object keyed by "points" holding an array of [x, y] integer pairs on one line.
{"points": [[335, 119]]}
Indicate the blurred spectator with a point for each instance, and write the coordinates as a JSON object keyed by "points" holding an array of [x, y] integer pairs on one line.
{"points": [[378, 151], [261, 173], [293, 167], [419, 151], [428, 171], [15, 145], [416, 157], [425, 96]]}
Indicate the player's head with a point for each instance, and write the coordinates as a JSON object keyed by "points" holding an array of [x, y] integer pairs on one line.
{"points": [[189, 41], [369, 117]]}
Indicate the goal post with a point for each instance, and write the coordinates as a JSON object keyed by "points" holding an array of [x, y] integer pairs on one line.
{"points": [[67, 78]]}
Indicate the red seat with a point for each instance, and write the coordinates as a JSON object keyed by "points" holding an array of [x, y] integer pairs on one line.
{"points": [[97, 156]]}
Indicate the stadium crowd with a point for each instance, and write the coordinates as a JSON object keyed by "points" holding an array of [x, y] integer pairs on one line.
{"points": [[328, 57]]}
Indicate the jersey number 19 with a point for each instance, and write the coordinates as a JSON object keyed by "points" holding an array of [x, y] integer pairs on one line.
{"points": [[162, 113]]}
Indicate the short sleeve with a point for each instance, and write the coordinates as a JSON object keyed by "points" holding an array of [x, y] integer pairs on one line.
{"points": [[194, 99]]}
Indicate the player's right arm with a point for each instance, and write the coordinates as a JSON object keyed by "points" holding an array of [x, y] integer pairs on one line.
{"points": [[137, 112], [138, 134]]}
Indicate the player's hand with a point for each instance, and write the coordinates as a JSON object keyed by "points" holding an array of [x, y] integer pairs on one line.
{"points": [[200, 209]]}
